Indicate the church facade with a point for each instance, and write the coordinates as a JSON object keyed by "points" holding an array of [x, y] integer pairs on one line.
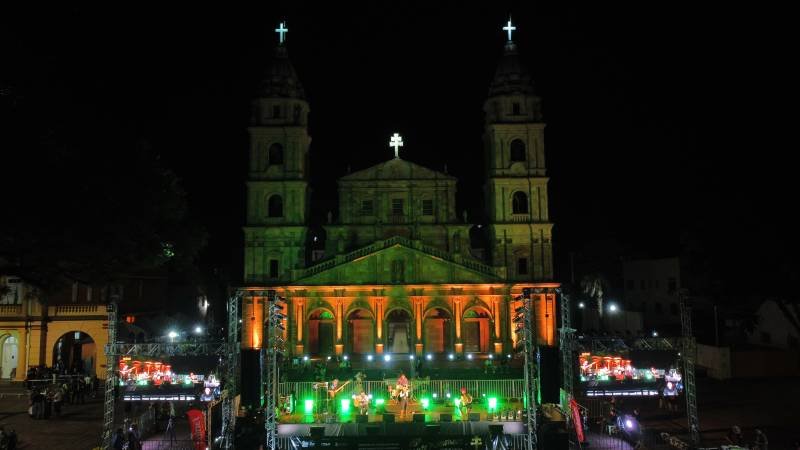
{"points": [[398, 274]]}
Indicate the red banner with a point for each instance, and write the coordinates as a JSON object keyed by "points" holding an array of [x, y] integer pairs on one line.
{"points": [[197, 423], [576, 419]]}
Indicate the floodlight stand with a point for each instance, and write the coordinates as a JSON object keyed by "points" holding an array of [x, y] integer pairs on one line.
{"points": [[688, 352]]}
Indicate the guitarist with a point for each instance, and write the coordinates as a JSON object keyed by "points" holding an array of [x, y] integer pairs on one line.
{"points": [[466, 403], [333, 388]]}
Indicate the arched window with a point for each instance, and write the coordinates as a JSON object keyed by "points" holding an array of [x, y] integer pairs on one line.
{"points": [[275, 206], [275, 154], [519, 203], [517, 150]]}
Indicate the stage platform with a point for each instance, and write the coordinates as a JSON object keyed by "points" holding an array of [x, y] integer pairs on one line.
{"points": [[459, 428]]}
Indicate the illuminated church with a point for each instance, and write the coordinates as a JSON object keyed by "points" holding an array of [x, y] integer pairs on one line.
{"points": [[398, 274]]}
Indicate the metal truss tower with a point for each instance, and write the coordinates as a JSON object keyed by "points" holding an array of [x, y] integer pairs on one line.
{"points": [[525, 328], [567, 344], [232, 372], [110, 384], [689, 352], [272, 351]]}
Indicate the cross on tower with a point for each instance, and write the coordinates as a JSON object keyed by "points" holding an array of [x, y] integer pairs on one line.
{"points": [[396, 141], [281, 30], [509, 28]]}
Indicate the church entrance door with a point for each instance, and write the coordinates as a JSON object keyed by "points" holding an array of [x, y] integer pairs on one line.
{"points": [[437, 331], [320, 333], [399, 325], [360, 328]]}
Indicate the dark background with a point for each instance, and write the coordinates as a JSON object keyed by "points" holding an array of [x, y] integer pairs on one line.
{"points": [[662, 118]]}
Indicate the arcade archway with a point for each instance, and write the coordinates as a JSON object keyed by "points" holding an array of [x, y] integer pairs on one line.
{"points": [[8, 356], [75, 350], [398, 331], [438, 331], [475, 330], [321, 329], [360, 329]]}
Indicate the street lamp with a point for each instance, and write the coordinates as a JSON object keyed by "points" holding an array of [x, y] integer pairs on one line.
{"points": [[612, 307], [172, 335], [198, 330], [655, 333]]}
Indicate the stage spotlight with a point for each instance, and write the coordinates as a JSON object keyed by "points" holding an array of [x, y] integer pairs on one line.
{"points": [[613, 307], [508, 356], [447, 395], [629, 427], [329, 358], [345, 405], [369, 357], [426, 403], [491, 356], [655, 333], [469, 355], [492, 403], [411, 357], [308, 406], [435, 395], [451, 356], [346, 357], [387, 358], [305, 358], [429, 357]]}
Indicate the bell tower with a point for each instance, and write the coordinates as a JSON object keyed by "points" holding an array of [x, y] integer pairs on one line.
{"points": [[277, 185], [520, 232]]}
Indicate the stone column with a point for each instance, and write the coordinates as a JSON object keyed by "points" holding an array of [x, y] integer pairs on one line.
{"points": [[22, 352], [379, 324], [497, 313], [299, 315], [339, 346], [418, 347], [459, 344]]}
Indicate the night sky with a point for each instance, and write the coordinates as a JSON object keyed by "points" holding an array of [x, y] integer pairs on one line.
{"points": [[658, 116]]}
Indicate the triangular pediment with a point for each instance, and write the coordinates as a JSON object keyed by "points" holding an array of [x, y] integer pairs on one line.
{"points": [[396, 169], [398, 261]]}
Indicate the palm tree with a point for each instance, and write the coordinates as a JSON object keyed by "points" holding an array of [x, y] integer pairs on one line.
{"points": [[593, 286]]}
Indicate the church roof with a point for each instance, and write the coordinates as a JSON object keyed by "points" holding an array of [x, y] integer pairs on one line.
{"points": [[397, 169], [280, 79], [511, 76]]}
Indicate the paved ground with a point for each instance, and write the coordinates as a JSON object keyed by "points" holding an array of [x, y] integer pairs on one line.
{"points": [[78, 428]]}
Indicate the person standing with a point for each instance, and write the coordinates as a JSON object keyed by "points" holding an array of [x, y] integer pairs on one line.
{"points": [[58, 398], [134, 438], [171, 430], [761, 440], [118, 440]]}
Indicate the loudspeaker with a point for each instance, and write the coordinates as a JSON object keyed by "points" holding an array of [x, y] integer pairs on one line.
{"points": [[251, 378], [362, 418], [445, 417], [495, 429], [432, 429], [373, 431], [474, 417], [419, 417], [549, 376], [388, 418], [317, 432]]}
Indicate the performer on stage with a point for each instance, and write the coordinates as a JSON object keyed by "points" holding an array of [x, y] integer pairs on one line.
{"points": [[466, 403], [403, 392], [362, 402], [332, 391]]}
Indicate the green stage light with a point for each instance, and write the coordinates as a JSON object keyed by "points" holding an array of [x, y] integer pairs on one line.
{"points": [[309, 406], [457, 402], [345, 405], [379, 401], [426, 403], [492, 403]]}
